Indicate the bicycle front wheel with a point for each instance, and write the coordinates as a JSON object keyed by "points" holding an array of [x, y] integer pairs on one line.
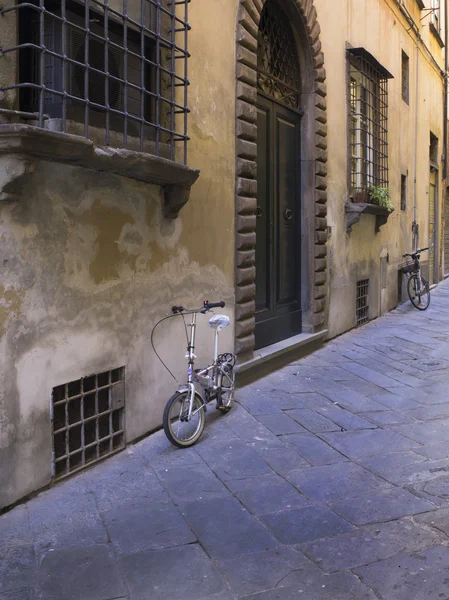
{"points": [[418, 292], [180, 430]]}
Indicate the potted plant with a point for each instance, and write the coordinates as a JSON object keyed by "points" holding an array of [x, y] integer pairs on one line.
{"points": [[381, 196]]}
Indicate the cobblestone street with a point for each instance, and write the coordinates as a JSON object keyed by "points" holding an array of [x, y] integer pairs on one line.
{"points": [[329, 480]]}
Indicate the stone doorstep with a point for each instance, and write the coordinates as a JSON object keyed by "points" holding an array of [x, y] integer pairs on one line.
{"points": [[303, 341]]}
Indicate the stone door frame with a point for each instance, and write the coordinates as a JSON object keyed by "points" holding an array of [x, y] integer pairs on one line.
{"points": [[303, 16]]}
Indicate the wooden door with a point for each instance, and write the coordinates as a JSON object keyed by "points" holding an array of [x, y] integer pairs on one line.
{"points": [[432, 225], [278, 230]]}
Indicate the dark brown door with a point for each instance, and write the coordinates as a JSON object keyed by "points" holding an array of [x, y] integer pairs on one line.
{"points": [[278, 230]]}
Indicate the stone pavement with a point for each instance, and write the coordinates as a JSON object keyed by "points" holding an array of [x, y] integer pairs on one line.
{"points": [[328, 481]]}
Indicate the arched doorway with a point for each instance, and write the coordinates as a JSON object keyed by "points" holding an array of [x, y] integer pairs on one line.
{"points": [[302, 79], [278, 225]]}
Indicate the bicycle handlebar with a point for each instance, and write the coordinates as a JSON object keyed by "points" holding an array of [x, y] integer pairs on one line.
{"points": [[206, 307], [415, 253]]}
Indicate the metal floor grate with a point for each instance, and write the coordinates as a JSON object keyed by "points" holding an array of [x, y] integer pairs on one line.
{"points": [[87, 420], [362, 304]]}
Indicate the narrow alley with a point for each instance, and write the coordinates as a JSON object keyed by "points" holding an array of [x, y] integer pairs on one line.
{"points": [[328, 480]]}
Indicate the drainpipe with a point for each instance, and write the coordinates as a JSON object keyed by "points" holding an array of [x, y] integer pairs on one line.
{"points": [[446, 66], [415, 165]]}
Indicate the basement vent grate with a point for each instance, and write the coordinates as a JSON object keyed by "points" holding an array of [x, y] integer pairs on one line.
{"points": [[362, 304], [87, 420]]}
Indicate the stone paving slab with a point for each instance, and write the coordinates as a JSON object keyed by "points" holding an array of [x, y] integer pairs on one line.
{"points": [[336, 482], [372, 543], [81, 527], [340, 586], [281, 459], [196, 483], [147, 526], [300, 525], [329, 480], [169, 573], [268, 493], [21, 594], [387, 417], [281, 423], [312, 421], [262, 571], [225, 528], [312, 449], [15, 529], [383, 462], [384, 506], [345, 419], [17, 568], [357, 444], [422, 575], [80, 573], [437, 431]]}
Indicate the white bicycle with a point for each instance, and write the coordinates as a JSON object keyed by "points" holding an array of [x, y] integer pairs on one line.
{"points": [[185, 413]]}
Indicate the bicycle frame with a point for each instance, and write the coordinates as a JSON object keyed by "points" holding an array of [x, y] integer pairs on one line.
{"points": [[205, 377], [416, 271]]}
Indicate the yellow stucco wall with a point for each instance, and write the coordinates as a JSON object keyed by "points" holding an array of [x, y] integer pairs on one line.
{"points": [[89, 264], [380, 28]]}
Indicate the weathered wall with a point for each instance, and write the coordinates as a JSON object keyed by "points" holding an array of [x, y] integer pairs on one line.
{"points": [[89, 265], [379, 27]]}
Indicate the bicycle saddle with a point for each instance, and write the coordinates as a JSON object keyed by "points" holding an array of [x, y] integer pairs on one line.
{"points": [[219, 321]]}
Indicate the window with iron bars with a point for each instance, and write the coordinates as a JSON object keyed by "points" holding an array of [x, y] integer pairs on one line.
{"points": [[403, 192], [368, 120], [405, 76], [114, 71], [435, 15]]}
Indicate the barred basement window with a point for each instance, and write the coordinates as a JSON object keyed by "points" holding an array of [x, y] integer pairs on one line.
{"points": [[87, 420], [405, 63], [362, 302], [368, 113], [110, 70]]}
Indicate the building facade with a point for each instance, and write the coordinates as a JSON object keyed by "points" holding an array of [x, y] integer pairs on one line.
{"points": [[160, 152]]}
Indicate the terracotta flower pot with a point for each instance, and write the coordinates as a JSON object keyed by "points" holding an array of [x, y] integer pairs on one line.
{"points": [[361, 196]]}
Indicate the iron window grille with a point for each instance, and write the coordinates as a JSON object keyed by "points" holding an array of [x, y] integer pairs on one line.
{"points": [[87, 420], [277, 59], [403, 192], [362, 302], [114, 71], [405, 77], [368, 121]]}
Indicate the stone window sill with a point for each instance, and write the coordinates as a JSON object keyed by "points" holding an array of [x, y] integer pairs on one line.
{"points": [[355, 210], [22, 146]]}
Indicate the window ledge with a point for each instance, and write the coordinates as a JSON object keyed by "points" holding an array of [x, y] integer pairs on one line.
{"points": [[436, 34], [22, 146], [355, 210]]}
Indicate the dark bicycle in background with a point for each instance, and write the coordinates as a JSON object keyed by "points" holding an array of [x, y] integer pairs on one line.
{"points": [[417, 287]]}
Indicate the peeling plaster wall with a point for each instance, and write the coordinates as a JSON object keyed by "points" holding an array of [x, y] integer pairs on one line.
{"points": [[89, 264], [378, 27]]}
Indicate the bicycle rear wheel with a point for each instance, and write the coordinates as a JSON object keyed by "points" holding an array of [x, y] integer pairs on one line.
{"points": [[180, 431], [419, 294]]}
